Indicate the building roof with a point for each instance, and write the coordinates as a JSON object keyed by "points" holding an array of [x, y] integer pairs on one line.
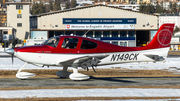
{"points": [[169, 15], [84, 7], [24, 3]]}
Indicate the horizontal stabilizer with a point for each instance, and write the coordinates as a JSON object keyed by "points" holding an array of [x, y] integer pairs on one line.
{"points": [[155, 57]]}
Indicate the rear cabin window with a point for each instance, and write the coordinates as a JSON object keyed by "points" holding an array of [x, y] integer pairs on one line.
{"points": [[86, 44], [70, 43]]}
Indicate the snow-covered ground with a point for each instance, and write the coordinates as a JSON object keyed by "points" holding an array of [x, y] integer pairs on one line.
{"points": [[120, 92], [6, 64]]}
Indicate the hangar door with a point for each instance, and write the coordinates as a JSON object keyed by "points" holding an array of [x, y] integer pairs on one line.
{"points": [[142, 37]]}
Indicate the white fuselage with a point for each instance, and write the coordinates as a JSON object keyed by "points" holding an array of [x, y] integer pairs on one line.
{"points": [[51, 59]]}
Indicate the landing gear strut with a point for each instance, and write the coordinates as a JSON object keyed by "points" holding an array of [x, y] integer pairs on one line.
{"points": [[24, 75], [64, 73]]}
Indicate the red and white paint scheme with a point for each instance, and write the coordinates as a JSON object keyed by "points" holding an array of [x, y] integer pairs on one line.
{"points": [[85, 52]]}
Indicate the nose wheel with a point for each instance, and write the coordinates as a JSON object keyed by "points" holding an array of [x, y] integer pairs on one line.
{"points": [[24, 75]]}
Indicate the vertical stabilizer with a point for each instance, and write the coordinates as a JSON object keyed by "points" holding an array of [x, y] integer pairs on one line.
{"points": [[163, 37]]}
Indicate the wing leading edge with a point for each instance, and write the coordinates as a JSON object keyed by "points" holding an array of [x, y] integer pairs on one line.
{"points": [[84, 62]]}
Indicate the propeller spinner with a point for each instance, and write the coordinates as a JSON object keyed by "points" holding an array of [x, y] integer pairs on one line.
{"points": [[11, 52]]}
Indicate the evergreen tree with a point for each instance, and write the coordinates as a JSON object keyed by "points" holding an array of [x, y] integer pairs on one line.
{"points": [[174, 8], [73, 3], [36, 11], [178, 8], [162, 9], [176, 29], [47, 7], [34, 8], [148, 9], [142, 7], [67, 5], [42, 8], [170, 6], [132, 2], [151, 8], [1, 1], [38, 8], [50, 5], [57, 5], [159, 8]]}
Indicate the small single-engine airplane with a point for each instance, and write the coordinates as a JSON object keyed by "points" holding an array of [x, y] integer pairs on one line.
{"points": [[75, 51]]}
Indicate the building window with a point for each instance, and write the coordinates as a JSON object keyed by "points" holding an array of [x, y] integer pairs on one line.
{"points": [[19, 24], [131, 34], [69, 32], [97, 34], [114, 33], [123, 43], [123, 34], [115, 42], [19, 15], [79, 33], [5, 32], [89, 34], [19, 6], [106, 34]]}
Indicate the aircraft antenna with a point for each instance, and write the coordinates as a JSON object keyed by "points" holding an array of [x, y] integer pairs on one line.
{"points": [[86, 33]]}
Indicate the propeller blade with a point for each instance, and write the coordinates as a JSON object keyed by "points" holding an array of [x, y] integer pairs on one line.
{"points": [[13, 41], [12, 59], [94, 69]]}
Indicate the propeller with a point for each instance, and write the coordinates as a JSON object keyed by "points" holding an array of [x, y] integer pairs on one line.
{"points": [[13, 46]]}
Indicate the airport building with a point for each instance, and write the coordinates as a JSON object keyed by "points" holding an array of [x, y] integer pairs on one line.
{"points": [[18, 18], [101, 22], [169, 18]]}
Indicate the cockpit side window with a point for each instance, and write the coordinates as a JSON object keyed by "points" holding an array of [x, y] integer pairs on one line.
{"points": [[70, 43], [53, 42], [86, 44]]}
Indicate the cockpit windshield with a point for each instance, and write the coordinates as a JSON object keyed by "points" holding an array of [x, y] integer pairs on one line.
{"points": [[53, 42]]}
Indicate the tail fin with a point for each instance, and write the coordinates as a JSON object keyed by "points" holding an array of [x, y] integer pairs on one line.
{"points": [[163, 37]]}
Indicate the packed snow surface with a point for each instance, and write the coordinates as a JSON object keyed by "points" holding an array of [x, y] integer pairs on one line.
{"points": [[120, 92]]}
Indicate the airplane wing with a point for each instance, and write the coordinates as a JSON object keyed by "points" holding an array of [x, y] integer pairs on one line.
{"points": [[84, 62]]}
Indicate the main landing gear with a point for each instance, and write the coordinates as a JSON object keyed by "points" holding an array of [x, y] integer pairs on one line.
{"points": [[73, 76]]}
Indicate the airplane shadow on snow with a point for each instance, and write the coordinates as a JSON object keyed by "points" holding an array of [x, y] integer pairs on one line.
{"points": [[113, 79]]}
